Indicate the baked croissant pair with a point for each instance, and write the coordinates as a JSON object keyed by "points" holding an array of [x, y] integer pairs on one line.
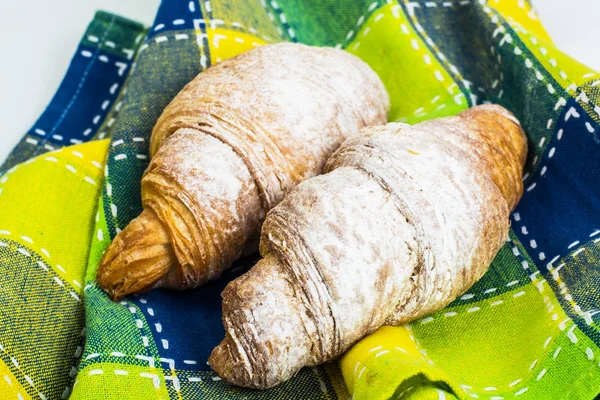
{"points": [[405, 219]]}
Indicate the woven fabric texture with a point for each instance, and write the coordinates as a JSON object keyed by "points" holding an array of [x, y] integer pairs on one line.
{"points": [[529, 328]]}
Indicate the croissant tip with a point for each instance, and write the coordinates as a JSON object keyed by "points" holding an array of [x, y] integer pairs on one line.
{"points": [[229, 367], [137, 259], [113, 290], [221, 360], [113, 287]]}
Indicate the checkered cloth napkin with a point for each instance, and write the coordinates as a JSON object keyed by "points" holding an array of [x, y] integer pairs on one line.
{"points": [[529, 328]]}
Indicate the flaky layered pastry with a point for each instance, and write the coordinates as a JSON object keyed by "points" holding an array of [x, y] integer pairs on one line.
{"points": [[405, 219], [226, 150]]}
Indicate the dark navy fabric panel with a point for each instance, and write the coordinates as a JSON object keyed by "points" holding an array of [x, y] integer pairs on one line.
{"points": [[189, 322], [562, 206], [84, 99]]}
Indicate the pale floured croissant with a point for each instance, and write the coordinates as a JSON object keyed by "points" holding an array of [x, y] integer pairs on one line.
{"points": [[406, 219], [227, 149]]}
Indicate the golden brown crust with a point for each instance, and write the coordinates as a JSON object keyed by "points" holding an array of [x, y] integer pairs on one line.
{"points": [[229, 147], [405, 219], [144, 246], [502, 155]]}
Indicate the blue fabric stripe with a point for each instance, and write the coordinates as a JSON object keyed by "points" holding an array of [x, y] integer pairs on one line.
{"points": [[562, 199], [83, 99]]}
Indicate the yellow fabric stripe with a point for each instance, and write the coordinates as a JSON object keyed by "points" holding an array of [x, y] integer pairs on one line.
{"points": [[522, 13], [419, 86], [10, 386], [149, 383], [564, 69], [226, 43], [57, 225]]}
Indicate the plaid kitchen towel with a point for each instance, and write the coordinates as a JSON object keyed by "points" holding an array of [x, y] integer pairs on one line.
{"points": [[529, 328]]}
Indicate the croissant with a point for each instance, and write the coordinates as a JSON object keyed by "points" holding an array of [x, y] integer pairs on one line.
{"points": [[226, 150], [406, 219]]}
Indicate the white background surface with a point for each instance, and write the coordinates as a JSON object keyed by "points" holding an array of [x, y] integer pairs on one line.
{"points": [[38, 38]]}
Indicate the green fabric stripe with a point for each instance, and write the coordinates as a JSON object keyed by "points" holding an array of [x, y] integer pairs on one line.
{"points": [[41, 321]]}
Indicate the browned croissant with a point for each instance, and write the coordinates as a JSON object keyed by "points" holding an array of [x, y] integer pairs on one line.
{"points": [[226, 150], [406, 219]]}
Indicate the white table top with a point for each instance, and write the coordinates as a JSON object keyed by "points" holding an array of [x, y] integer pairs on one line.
{"points": [[28, 79]]}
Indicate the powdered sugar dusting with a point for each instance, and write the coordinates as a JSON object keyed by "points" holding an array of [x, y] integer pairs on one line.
{"points": [[406, 219], [240, 136]]}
